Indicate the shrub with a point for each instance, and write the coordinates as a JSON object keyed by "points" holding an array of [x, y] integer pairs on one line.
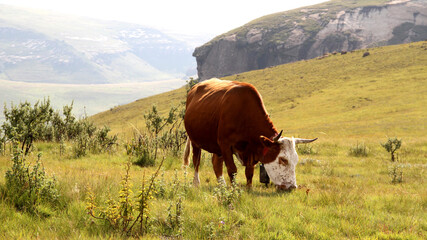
{"points": [[26, 188], [145, 160], [25, 123], [2, 142], [395, 172], [190, 83], [359, 150], [141, 149], [155, 124], [391, 146], [81, 145], [306, 149], [91, 139]]}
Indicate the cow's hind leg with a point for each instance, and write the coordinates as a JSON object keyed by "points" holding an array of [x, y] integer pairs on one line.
{"points": [[217, 163], [196, 163], [249, 172]]}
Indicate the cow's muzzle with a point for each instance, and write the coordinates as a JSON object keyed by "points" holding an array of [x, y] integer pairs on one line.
{"points": [[286, 188]]}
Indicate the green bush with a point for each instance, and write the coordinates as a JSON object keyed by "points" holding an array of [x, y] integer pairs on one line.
{"points": [[306, 149], [25, 123], [391, 146], [91, 139], [141, 149], [395, 172], [2, 142], [164, 133], [359, 150], [27, 188]]}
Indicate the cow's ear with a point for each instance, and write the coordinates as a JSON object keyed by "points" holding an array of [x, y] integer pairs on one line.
{"points": [[266, 142]]}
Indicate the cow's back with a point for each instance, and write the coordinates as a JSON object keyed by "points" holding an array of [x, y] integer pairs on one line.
{"points": [[225, 110]]}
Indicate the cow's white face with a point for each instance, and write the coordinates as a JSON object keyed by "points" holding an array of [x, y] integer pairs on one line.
{"points": [[282, 169]]}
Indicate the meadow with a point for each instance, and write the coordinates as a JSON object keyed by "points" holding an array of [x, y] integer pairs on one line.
{"points": [[351, 103], [339, 197]]}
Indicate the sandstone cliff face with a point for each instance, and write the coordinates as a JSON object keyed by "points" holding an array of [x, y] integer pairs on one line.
{"points": [[310, 32]]}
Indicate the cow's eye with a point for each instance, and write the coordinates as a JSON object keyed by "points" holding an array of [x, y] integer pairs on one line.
{"points": [[283, 161]]}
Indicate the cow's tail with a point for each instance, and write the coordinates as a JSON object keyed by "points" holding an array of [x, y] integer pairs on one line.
{"points": [[187, 152]]}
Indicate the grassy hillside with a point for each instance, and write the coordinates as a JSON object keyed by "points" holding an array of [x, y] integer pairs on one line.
{"points": [[340, 195], [339, 96]]}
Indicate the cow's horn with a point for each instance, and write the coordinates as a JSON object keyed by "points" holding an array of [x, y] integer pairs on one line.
{"points": [[276, 138], [301, 140]]}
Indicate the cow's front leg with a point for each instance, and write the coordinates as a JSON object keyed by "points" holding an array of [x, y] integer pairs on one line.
{"points": [[227, 155], [217, 163]]}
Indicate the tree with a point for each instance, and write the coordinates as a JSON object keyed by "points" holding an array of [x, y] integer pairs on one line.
{"points": [[25, 124], [392, 145]]}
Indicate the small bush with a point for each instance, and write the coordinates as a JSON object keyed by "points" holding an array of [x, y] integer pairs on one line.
{"points": [[2, 143], [145, 159], [391, 146], [81, 145], [91, 139], [359, 150], [395, 172], [306, 149], [27, 188], [142, 150]]}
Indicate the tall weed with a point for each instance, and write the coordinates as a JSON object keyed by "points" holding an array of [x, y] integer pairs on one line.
{"points": [[130, 214], [28, 187]]}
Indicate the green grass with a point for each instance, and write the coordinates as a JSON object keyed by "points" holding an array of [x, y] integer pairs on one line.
{"points": [[340, 197]]}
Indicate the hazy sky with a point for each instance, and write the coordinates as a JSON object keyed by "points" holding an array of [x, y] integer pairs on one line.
{"points": [[178, 16]]}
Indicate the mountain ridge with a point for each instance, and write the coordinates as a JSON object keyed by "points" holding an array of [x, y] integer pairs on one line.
{"points": [[309, 32]]}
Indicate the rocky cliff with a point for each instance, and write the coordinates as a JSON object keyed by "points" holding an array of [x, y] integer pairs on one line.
{"points": [[305, 33]]}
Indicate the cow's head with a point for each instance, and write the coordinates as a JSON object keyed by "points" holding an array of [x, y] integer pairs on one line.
{"points": [[280, 159]]}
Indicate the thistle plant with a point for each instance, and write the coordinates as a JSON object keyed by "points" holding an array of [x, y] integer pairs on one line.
{"points": [[120, 214]]}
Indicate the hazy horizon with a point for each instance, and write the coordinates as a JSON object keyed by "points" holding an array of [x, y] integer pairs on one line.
{"points": [[189, 17]]}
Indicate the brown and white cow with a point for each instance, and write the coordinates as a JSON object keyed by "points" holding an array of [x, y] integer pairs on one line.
{"points": [[226, 118]]}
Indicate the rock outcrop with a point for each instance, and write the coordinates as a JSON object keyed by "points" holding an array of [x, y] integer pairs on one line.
{"points": [[311, 32]]}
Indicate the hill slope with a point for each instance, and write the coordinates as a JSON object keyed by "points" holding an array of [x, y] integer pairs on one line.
{"points": [[339, 96], [305, 33]]}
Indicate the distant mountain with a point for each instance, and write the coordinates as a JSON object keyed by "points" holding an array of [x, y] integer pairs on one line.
{"points": [[43, 47], [309, 32]]}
